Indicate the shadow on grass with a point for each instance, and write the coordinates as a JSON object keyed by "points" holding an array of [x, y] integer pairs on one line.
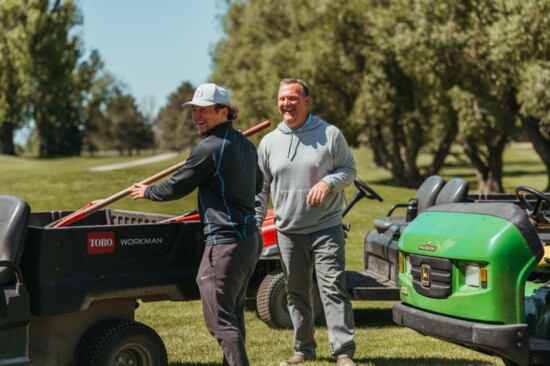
{"points": [[413, 361], [379, 362], [520, 169], [523, 173], [373, 317]]}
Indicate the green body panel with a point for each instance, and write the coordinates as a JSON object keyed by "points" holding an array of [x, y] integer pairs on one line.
{"points": [[464, 238]]}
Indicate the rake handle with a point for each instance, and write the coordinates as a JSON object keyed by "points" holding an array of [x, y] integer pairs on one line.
{"points": [[97, 205]]}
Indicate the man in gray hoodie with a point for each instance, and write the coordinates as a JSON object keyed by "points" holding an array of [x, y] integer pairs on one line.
{"points": [[306, 164]]}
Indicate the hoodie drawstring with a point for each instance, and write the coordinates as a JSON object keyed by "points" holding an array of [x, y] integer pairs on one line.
{"points": [[292, 133], [296, 147]]}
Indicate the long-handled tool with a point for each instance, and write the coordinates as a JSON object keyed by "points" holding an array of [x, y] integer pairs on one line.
{"points": [[96, 205]]}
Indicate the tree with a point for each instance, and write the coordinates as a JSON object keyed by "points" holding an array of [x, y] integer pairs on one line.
{"points": [[128, 130], [404, 76], [361, 77], [102, 91], [175, 128], [505, 43], [56, 91], [534, 97], [15, 81]]}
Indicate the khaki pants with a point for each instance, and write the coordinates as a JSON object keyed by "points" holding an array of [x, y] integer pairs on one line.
{"points": [[324, 251]]}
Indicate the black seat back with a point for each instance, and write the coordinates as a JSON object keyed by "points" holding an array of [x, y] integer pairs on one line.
{"points": [[14, 219], [455, 190], [505, 210], [428, 191]]}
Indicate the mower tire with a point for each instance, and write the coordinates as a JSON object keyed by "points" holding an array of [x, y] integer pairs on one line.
{"points": [[116, 342], [271, 301]]}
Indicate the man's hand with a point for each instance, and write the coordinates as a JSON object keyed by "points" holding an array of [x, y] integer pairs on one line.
{"points": [[138, 191], [317, 194]]}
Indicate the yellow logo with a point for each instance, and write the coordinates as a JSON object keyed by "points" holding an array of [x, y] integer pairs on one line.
{"points": [[425, 275], [427, 247]]}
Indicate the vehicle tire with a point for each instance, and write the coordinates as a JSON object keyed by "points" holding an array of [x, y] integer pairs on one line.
{"points": [[271, 301], [117, 342]]}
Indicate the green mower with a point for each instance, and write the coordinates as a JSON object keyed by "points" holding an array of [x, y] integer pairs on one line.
{"points": [[478, 275]]}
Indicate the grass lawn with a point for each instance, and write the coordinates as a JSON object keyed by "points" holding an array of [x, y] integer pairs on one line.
{"points": [[68, 184]]}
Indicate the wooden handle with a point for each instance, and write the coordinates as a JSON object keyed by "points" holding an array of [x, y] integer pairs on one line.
{"points": [[97, 205]]}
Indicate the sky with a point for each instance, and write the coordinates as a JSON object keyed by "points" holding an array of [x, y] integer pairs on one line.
{"points": [[153, 46]]}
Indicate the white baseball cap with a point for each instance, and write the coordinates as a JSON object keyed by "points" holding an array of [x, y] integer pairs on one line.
{"points": [[207, 95]]}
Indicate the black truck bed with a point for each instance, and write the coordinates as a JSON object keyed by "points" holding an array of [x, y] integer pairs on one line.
{"points": [[110, 254]]}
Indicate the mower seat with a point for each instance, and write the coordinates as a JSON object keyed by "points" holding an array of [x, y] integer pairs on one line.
{"points": [[427, 193], [454, 191], [15, 309], [426, 196], [14, 219]]}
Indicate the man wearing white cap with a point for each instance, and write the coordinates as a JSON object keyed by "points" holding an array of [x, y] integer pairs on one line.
{"points": [[224, 168]]}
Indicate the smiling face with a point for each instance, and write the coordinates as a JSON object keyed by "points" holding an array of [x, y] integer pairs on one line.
{"points": [[293, 105], [206, 118]]}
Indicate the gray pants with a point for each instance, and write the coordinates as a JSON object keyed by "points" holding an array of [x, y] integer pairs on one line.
{"points": [[223, 278], [324, 251]]}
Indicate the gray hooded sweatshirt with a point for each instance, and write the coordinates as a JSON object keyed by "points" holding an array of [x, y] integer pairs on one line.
{"points": [[292, 162]]}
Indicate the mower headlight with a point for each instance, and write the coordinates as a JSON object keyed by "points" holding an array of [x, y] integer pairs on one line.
{"points": [[472, 275], [476, 276]]}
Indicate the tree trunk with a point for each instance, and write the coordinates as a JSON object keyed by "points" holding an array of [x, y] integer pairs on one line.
{"points": [[489, 173], [540, 144], [6, 139]]}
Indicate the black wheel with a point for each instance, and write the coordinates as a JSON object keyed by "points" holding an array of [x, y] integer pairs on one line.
{"points": [[535, 212], [271, 301], [119, 342]]}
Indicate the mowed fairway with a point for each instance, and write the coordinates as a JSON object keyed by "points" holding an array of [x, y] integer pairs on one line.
{"points": [[68, 184]]}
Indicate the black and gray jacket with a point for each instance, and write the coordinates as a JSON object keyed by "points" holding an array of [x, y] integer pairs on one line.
{"points": [[224, 166]]}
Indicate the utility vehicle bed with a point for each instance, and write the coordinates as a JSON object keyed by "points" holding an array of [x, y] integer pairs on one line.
{"points": [[110, 254]]}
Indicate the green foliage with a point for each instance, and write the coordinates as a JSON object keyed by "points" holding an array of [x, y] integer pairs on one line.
{"points": [[404, 77], [534, 94], [176, 129], [408, 78], [42, 76], [128, 130], [15, 66], [56, 93]]}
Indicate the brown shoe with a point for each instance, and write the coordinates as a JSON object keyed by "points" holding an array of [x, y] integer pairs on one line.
{"points": [[345, 361], [294, 360]]}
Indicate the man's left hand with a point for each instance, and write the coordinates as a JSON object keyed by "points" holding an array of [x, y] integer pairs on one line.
{"points": [[138, 191], [317, 194]]}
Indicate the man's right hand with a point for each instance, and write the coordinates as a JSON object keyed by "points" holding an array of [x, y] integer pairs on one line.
{"points": [[317, 194]]}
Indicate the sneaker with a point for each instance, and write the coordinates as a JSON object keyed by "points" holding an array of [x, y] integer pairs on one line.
{"points": [[345, 361], [294, 360]]}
